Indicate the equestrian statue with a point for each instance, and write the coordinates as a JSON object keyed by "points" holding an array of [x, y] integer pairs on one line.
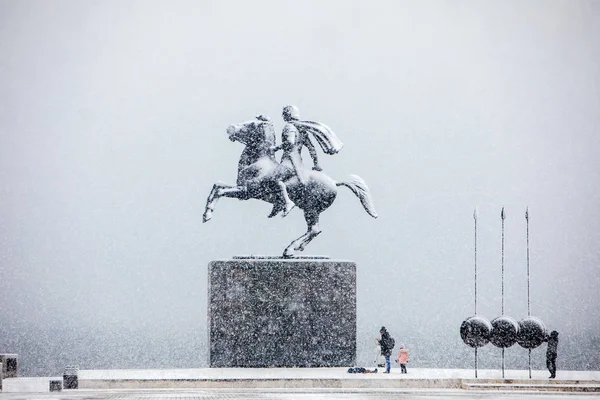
{"points": [[288, 183]]}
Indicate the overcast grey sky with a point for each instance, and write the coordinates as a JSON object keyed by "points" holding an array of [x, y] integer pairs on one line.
{"points": [[112, 132]]}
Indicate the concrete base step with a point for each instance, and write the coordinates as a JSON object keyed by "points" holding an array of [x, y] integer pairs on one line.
{"points": [[309, 378], [545, 387]]}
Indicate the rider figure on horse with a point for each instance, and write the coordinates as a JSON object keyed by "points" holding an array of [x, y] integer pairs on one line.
{"points": [[295, 135]]}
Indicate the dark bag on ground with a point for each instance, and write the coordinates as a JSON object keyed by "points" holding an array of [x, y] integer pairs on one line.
{"points": [[357, 370]]}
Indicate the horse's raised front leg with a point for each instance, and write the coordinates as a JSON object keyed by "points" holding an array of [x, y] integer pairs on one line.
{"points": [[219, 190], [312, 220]]}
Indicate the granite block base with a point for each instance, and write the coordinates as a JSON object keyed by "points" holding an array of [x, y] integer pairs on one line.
{"points": [[282, 313], [10, 365]]}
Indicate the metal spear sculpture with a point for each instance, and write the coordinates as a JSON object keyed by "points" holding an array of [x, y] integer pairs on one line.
{"points": [[287, 183], [475, 331], [532, 330], [504, 328], [504, 331]]}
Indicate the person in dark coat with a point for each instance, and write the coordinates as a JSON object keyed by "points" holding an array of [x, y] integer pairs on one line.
{"points": [[386, 343], [551, 353]]}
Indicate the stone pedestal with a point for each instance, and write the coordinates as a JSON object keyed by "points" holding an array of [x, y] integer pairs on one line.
{"points": [[70, 378], [55, 386], [272, 312], [10, 365]]}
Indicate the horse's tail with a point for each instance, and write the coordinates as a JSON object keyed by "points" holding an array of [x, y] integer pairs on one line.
{"points": [[361, 190]]}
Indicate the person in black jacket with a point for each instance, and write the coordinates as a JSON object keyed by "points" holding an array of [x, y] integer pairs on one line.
{"points": [[387, 344], [551, 353]]}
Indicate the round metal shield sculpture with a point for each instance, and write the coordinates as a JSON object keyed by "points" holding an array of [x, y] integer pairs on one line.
{"points": [[475, 331], [504, 331], [532, 332]]}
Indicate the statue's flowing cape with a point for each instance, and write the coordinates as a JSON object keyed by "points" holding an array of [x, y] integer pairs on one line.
{"points": [[328, 141]]}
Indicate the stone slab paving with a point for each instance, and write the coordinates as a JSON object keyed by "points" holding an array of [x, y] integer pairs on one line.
{"points": [[28, 385], [315, 378], [300, 394]]}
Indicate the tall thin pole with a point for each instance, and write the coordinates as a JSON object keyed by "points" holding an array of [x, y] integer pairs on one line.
{"points": [[528, 281], [503, 363], [475, 218], [528, 275], [502, 215], [529, 363]]}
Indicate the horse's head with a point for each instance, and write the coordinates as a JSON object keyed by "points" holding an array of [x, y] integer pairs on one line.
{"points": [[258, 132]]}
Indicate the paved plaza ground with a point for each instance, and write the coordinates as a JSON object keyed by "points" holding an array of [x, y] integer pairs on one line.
{"points": [[291, 394], [308, 383]]}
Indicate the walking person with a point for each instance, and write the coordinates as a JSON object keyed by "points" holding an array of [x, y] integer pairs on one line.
{"points": [[402, 359], [551, 353], [387, 344]]}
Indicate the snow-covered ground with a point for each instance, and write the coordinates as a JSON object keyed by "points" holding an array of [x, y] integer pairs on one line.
{"points": [[300, 394], [299, 378], [325, 373]]}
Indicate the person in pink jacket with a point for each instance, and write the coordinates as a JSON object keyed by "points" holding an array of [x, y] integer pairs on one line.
{"points": [[402, 359]]}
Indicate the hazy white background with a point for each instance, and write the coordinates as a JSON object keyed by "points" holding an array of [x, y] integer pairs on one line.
{"points": [[112, 132]]}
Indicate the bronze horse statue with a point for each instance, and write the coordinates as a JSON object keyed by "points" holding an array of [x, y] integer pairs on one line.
{"points": [[256, 180]]}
